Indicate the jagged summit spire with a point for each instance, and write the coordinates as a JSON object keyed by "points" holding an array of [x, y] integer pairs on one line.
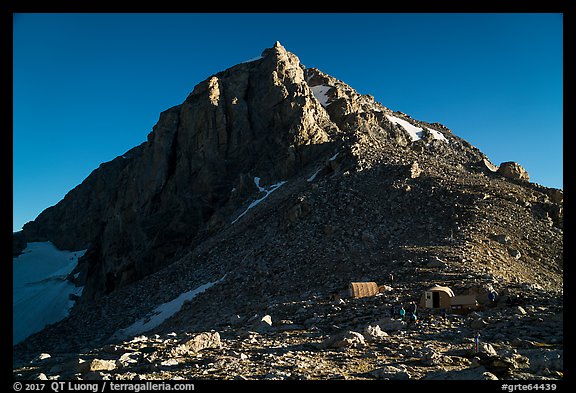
{"points": [[277, 48]]}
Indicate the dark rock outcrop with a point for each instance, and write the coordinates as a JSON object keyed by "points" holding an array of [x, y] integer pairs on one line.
{"points": [[18, 244], [140, 211]]}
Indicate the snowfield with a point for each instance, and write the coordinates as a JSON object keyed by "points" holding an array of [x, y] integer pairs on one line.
{"points": [[41, 293]]}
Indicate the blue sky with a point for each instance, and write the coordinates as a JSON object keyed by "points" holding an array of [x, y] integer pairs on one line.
{"points": [[88, 87]]}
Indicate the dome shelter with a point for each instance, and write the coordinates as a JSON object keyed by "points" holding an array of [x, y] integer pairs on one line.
{"points": [[437, 297]]}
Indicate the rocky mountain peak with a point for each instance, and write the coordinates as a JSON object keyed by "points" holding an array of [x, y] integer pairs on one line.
{"points": [[262, 196], [137, 213], [276, 50], [242, 135]]}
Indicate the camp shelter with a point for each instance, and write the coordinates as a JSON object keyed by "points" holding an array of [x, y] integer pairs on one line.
{"points": [[363, 289], [437, 297], [463, 303]]}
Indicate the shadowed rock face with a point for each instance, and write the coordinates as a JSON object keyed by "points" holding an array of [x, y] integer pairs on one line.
{"points": [[271, 118], [137, 211]]}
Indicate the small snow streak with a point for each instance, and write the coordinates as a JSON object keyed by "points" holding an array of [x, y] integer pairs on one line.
{"points": [[311, 178], [273, 188]]}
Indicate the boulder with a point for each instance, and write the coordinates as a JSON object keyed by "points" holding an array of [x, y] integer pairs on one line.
{"points": [[129, 359], [488, 166], [502, 238], [414, 170], [431, 357], [520, 310], [170, 362], [391, 373], [513, 170], [197, 343], [488, 349], [101, 365], [556, 195], [373, 333], [347, 339], [260, 324]]}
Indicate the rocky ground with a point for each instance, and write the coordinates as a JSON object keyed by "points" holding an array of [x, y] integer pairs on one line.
{"points": [[333, 237], [521, 337], [308, 332]]}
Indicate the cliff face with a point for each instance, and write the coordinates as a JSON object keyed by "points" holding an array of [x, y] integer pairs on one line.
{"points": [[232, 141], [136, 212]]}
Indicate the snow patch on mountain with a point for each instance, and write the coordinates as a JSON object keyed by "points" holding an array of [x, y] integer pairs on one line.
{"points": [[320, 93], [311, 178], [41, 293], [414, 132], [255, 203], [162, 313], [437, 135]]}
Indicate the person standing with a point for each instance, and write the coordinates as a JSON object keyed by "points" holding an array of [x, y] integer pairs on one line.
{"points": [[402, 312], [477, 342]]}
